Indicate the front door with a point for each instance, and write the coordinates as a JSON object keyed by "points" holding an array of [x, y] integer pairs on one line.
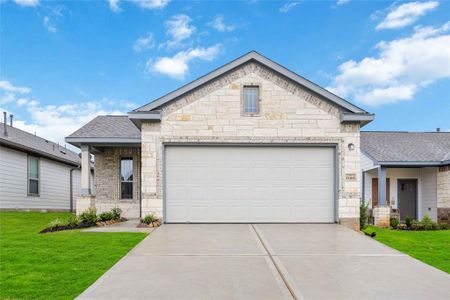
{"points": [[407, 198]]}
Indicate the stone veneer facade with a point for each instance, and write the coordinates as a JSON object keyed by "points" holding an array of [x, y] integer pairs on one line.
{"points": [[107, 181], [443, 194], [288, 114]]}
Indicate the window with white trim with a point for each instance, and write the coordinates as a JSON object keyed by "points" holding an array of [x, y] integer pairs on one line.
{"points": [[126, 178], [33, 176], [251, 99]]}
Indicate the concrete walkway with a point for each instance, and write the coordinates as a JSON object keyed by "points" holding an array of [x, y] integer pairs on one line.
{"points": [[127, 226], [266, 261]]}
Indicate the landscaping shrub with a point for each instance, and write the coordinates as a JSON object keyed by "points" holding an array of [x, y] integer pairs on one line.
{"points": [[88, 216], [408, 221], [363, 214], [72, 220], [57, 223], [416, 225], [394, 222], [427, 222], [116, 212], [106, 216], [148, 219], [444, 226]]}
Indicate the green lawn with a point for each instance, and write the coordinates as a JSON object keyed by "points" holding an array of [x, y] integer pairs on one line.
{"points": [[431, 247], [54, 265]]}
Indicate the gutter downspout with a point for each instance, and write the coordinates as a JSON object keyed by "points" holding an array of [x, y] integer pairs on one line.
{"points": [[71, 187]]}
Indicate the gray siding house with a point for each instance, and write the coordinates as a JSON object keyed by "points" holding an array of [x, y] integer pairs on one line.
{"points": [[36, 174], [249, 142], [415, 167]]}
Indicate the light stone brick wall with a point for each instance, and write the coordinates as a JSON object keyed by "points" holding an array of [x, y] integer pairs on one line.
{"points": [[107, 181], [443, 194], [288, 114]]}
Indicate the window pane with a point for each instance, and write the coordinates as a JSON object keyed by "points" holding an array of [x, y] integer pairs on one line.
{"points": [[126, 169], [126, 190], [33, 167], [251, 99], [33, 187]]}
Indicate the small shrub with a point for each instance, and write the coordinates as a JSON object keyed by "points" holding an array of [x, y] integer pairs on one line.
{"points": [[435, 226], [148, 219], [416, 225], [57, 223], [363, 215], [106, 216], [394, 222], [88, 216], [444, 226], [426, 222], [116, 212], [408, 221], [72, 220]]}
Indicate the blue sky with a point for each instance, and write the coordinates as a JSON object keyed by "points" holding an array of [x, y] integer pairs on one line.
{"points": [[62, 63]]}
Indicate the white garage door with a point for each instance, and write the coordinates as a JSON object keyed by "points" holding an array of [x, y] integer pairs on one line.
{"points": [[249, 184]]}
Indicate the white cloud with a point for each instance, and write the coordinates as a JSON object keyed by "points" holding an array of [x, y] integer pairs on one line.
{"points": [[401, 68], [288, 6], [114, 6], [48, 24], [177, 66], [219, 24], [152, 4], [342, 2], [144, 43], [179, 28], [406, 14], [9, 92], [29, 3], [54, 122]]}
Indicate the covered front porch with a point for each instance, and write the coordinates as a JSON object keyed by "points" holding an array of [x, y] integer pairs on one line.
{"points": [[116, 152], [403, 191]]}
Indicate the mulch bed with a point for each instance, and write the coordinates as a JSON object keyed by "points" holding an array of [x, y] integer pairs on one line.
{"points": [[153, 224], [60, 228], [82, 225]]}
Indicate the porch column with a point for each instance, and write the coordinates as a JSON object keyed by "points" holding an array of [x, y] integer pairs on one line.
{"points": [[86, 200], [382, 213], [382, 186], [86, 170]]}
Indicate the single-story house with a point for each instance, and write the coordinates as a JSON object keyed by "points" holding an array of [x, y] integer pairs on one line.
{"points": [[248, 142], [35, 173], [415, 172]]}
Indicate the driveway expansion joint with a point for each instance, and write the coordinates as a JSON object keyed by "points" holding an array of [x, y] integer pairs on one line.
{"points": [[294, 291]]}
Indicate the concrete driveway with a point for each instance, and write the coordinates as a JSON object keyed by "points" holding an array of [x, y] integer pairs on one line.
{"points": [[266, 261]]}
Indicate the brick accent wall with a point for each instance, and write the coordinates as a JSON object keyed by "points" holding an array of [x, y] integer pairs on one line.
{"points": [[107, 181], [443, 194], [288, 114]]}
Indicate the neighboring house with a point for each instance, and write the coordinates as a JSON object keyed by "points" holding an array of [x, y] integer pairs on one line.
{"points": [[415, 167], [36, 174], [249, 142]]}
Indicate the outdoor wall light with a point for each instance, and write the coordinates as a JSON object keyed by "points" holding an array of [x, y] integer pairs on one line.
{"points": [[351, 146]]}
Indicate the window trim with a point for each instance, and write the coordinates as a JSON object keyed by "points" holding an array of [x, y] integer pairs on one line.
{"points": [[258, 102], [127, 181], [29, 157]]}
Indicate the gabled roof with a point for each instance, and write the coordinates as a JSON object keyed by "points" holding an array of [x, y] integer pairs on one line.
{"points": [[106, 129], [256, 57], [31, 143], [407, 148]]}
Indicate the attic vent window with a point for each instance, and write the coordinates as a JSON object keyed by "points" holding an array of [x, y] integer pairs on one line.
{"points": [[250, 100]]}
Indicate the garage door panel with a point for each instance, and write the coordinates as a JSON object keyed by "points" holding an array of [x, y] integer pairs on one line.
{"points": [[249, 184]]}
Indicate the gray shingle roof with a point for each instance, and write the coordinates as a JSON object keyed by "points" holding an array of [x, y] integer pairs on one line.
{"points": [[108, 127], [28, 142], [422, 147]]}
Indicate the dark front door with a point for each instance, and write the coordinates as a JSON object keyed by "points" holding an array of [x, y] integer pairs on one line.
{"points": [[407, 198]]}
